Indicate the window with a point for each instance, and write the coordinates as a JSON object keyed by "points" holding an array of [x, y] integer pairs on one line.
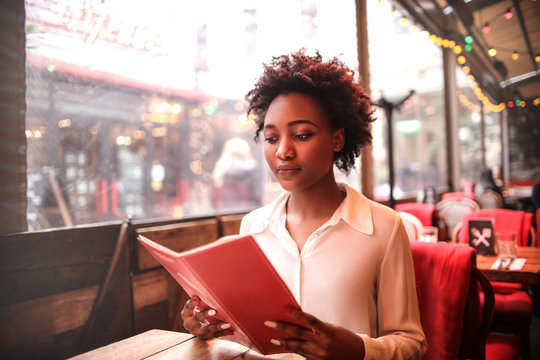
{"points": [[469, 133], [403, 58], [136, 108]]}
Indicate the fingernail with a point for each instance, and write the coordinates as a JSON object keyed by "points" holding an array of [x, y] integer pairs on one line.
{"points": [[195, 299], [225, 326], [271, 324], [287, 310], [275, 342], [211, 312]]}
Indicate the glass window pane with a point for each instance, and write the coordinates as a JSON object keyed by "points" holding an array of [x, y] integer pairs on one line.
{"points": [[132, 105], [403, 58], [469, 132], [493, 140]]}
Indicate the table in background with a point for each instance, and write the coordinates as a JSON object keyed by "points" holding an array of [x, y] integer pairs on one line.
{"points": [[162, 344], [529, 274]]}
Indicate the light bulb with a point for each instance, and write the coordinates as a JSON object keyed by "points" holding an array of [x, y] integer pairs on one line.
{"points": [[515, 55]]}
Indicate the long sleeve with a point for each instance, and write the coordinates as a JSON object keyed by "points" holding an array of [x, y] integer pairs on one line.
{"points": [[400, 331]]}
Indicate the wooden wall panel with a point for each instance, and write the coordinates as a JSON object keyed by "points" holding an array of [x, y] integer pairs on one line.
{"points": [[46, 263], [178, 237], [48, 286], [230, 224], [53, 301], [35, 320]]}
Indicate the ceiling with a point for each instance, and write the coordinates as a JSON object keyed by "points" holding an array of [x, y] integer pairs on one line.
{"points": [[501, 76]]}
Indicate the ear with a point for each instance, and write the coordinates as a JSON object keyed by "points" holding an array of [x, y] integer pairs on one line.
{"points": [[339, 139]]}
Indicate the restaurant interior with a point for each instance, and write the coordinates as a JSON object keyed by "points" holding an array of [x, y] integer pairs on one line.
{"points": [[123, 118]]}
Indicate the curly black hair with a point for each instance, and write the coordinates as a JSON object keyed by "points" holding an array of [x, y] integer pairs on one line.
{"points": [[331, 83]]}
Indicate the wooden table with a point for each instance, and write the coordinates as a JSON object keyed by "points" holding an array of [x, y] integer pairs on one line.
{"points": [[162, 344], [530, 274]]}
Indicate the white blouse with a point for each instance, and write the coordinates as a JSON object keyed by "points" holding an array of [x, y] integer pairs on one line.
{"points": [[355, 271]]}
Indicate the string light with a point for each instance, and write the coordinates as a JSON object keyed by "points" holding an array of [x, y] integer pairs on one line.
{"points": [[515, 55], [403, 21], [537, 58], [486, 29], [447, 43], [492, 52], [508, 15]]}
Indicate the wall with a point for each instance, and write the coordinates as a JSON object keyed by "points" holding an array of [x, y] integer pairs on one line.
{"points": [[64, 292]]}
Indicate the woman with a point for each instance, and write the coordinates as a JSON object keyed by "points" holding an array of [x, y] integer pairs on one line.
{"points": [[346, 259]]}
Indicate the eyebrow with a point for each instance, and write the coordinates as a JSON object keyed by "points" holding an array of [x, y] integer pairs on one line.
{"points": [[293, 123]]}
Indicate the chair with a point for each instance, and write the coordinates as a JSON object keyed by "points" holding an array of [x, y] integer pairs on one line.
{"points": [[517, 221], [454, 326], [412, 224], [456, 323], [451, 210], [424, 212], [489, 199], [513, 306]]}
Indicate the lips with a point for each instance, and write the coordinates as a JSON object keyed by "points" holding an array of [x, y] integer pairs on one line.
{"points": [[287, 170]]}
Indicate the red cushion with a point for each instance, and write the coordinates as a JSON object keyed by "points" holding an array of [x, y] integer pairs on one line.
{"points": [[422, 211], [502, 347], [442, 273], [505, 288], [516, 307], [512, 311]]}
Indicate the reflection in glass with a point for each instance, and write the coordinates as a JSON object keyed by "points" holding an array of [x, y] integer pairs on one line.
{"points": [[138, 98]]}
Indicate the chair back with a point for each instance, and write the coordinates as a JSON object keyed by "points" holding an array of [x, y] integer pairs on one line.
{"points": [[458, 194], [424, 212], [412, 224], [452, 209], [489, 199], [503, 220], [449, 300]]}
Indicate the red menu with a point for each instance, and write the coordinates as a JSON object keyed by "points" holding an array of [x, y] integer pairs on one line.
{"points": [[233, 276]]}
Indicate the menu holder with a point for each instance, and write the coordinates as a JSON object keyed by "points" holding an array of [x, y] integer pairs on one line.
{"points": [[482, 236], [233, 276]]}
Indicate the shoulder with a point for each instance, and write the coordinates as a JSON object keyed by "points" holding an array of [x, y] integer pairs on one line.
{"points": [[360, 211], [259, 219], [383, 212]]}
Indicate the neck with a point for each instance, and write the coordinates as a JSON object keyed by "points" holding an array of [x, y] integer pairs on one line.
{"points": [[321, 201]]}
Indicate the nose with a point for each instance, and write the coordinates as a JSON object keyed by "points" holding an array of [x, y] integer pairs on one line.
{"points": [[285, 149]]}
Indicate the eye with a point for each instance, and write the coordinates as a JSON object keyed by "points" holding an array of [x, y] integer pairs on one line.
{"points": [[303, 137], [270, 139]]}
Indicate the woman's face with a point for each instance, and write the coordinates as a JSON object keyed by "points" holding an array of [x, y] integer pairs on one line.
{"points": [[299, 146]]}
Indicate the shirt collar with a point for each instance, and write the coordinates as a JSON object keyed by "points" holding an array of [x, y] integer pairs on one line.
{"points": [[354, 210]]}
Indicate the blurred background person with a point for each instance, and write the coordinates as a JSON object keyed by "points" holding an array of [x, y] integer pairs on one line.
{"points": [[237, 178], [487, 182]]}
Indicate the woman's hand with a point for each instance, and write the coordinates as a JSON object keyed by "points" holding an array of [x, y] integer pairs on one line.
{"points": [[323, 342], [196, 321]]}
